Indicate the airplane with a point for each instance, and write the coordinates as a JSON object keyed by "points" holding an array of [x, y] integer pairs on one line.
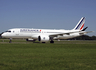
{"points": [[45, 35]]}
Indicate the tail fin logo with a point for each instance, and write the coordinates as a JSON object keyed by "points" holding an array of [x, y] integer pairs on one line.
{"points": [[82, 27], [80, 24]]}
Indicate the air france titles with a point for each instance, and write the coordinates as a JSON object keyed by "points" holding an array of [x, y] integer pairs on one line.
{"points": [[30, 30]]}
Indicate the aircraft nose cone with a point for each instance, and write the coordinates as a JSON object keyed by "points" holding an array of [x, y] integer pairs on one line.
{"points": [[3, 35], [0, 36]]}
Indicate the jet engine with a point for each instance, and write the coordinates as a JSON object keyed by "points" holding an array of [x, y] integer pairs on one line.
{"points": [[43, 38]]}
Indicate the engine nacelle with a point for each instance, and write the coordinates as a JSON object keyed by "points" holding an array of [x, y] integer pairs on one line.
{"points": [[29, 39], [43, 38]]}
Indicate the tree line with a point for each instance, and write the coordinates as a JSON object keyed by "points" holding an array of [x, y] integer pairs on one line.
{"points": [[84, 37]]}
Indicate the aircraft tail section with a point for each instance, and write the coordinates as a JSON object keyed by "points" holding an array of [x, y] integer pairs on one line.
{"points": [[80, 24]]}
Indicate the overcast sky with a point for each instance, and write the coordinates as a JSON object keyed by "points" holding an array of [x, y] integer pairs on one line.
{"points": [[50, 14]]}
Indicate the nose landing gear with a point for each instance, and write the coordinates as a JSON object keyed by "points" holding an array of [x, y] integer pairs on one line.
{"points": [[10, 40]]}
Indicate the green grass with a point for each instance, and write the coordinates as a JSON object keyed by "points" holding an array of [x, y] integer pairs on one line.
{"points": [[63, 55]]}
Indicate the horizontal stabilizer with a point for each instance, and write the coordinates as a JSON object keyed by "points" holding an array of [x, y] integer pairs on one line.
{"points": [[84, 28]]}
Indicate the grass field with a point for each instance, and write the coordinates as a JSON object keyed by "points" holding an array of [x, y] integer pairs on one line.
{"points": [[63, 55]]}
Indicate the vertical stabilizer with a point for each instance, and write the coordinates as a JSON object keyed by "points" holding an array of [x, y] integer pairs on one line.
{"points": [[80, 24]]}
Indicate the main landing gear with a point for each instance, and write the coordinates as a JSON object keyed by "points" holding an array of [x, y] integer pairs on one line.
{"points": [[51, 38], [51, 41]]}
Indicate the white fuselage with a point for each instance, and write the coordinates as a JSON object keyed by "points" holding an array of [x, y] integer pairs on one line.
{"points": [[34, 33], [44, 35]]}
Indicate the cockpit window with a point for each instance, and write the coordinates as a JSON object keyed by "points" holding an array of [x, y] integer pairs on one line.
{"points": [[7, 31]]}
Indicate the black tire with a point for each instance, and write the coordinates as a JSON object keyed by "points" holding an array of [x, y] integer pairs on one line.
{"points": [[51, 41], [43, 42]]}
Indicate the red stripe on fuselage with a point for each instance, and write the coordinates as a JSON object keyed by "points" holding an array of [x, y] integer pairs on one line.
{"points": [[82, 27]]}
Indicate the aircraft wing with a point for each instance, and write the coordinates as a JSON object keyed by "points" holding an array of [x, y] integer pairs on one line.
{"points": [[68, 33], [61, 34], [84, 32]]}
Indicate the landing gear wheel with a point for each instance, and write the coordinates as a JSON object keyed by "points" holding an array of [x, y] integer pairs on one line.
{"points": [[43, 42], [51, 41]]}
